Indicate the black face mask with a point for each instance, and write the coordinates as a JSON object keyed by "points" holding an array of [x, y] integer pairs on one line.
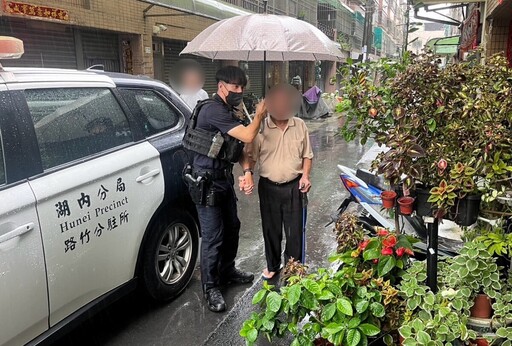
{"points": [[234, 99]]}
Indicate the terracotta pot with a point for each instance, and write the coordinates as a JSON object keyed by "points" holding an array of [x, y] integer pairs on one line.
{"points": [[482, 308], [388, 199], [322, 342], [479, 342], [406, 205]]}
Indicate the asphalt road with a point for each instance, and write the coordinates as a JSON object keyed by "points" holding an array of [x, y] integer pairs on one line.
{"points": [[186, 321]]}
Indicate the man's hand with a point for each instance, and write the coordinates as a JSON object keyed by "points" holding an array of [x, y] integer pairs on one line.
{"points": [[249, 183], [246, 183], [304, 184], [241, 183]]}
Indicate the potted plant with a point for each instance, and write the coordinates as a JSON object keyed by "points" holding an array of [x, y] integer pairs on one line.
{"points": [[433, 317], [342, 307], [406, 205], [475, 268], [388, 199], [444, 317], [385, 255], [349, 232], [446, 128], [498, 244], [351, 303]]}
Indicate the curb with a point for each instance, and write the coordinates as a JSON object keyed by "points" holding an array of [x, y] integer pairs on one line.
{"points": [[231, 337]]}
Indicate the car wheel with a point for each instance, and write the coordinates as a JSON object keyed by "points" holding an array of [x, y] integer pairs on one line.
{"points": [[170, 256]]}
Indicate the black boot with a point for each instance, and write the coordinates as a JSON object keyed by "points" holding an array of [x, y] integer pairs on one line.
{"points": [[215, 300], [238, 276]]}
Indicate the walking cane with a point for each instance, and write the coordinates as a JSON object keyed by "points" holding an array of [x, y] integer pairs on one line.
{"points": [[304, 219]]}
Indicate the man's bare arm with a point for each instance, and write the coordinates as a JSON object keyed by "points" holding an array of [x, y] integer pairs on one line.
{"points": [[247, 133], [304, 182]]}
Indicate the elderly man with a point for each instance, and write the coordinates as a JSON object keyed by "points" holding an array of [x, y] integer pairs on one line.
{"points": [[284, 153]]}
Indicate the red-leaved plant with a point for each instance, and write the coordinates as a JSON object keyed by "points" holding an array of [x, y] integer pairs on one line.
{"points": [[386, 254]]}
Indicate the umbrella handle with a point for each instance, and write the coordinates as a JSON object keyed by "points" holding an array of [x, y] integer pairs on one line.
{"points": [[246, 112]]}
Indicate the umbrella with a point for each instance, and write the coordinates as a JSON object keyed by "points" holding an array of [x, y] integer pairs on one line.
{"points": [[263, 37]]}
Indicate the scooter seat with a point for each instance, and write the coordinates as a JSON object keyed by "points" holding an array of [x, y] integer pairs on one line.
{"points": [[371, 179]]}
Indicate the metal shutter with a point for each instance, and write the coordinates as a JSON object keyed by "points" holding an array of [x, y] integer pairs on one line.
{"points": [[172, 51], [255, 73], [101, 47], [46, 44]]}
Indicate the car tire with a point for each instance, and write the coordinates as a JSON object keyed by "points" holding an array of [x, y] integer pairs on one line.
{"points": [[170, 255]]}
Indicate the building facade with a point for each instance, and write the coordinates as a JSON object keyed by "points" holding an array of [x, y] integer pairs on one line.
{"points": [[388, 23], [122, 35]]}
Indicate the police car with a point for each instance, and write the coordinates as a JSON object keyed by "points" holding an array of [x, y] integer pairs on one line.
{"points": [[91, 195]]}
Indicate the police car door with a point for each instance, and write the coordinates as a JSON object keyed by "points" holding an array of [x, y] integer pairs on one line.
{"points": [[23, 292], [97, 194]]}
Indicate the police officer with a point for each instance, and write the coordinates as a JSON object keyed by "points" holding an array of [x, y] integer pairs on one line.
{"points": [[217, 213]]}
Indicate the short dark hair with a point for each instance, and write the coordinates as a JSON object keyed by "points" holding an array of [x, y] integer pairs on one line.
{"points": [[231, 75]]}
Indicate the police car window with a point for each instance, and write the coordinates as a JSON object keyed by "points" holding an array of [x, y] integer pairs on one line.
{"points": [[156, 113], [2, 165], [77, 122]]}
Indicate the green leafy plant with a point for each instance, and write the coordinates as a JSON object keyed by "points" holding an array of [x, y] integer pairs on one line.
{"points": [[496, 242], [343, 307], [445, 127], [346, 305], [441, 318]]}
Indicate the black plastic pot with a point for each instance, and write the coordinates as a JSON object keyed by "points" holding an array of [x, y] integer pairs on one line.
{"points": [[503, 261], [423, 208], [465, 211]]}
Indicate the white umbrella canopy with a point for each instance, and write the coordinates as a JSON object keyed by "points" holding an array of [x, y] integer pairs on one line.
{"points": [[263, 37]]}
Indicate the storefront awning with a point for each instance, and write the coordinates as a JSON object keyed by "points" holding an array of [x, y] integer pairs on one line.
{"points": [[204, 8], [444, 45]]}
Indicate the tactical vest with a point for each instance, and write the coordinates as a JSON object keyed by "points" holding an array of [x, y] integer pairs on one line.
{"points": [[215, 145]]}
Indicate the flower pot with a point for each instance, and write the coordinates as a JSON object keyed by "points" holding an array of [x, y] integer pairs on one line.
{"points": [[479, 342], [482, 308], [423, 207], [465, 211], [406, 205], [322, 342], [388, 199]]}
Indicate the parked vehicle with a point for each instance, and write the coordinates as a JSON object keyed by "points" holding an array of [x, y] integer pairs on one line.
{"points": [[91, 196], [365, 189]]}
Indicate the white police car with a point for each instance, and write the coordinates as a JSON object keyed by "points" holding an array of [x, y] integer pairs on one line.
{"points": [[91, 195]]}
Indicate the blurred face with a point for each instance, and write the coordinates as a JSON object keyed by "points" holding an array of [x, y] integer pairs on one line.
{"points": [[192, 81], [282, 104]]}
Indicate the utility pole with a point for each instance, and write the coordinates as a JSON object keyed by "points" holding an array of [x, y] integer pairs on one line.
{"points": [[368, 30]]}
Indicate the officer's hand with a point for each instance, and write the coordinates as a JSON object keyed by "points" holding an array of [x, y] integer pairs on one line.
{"points": [[304, 184], [261, 110]]}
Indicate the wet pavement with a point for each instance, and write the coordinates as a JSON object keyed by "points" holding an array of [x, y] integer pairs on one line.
{"points": [[135, 320]]}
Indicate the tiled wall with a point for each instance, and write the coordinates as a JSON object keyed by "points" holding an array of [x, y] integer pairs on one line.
{"points": [[498, 37]]}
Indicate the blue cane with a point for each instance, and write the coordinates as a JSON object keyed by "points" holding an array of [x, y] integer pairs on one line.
{"points": [[304, 219]]}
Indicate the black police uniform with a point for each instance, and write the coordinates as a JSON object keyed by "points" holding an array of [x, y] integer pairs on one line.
{"points": [[220, 226]]}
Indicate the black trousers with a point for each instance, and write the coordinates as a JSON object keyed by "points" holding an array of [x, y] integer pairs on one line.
{"points": [[220, 229], [281, 209]]}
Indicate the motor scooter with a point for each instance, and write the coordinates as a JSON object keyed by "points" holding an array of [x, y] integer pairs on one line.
{"points": [[365, 188]]}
